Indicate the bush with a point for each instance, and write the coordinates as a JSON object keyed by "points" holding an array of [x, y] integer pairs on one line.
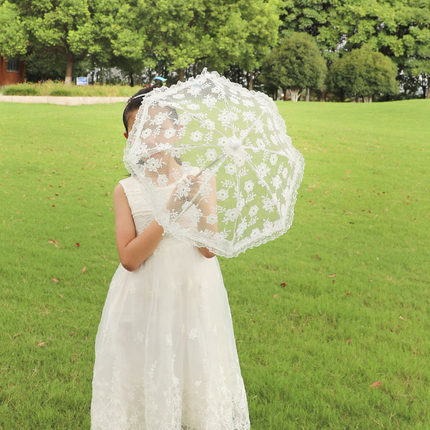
{"points": [[363, 72], [18, 90], [50, 88], [61, 92], [296, 64]]}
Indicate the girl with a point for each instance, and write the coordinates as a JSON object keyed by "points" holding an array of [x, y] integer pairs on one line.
{"points": [[165, 352]]}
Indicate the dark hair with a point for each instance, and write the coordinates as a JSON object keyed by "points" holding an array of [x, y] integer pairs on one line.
{"points": [[134, 103]]}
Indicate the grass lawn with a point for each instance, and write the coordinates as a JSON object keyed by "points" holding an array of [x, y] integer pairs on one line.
{"points": [[344, 344]]}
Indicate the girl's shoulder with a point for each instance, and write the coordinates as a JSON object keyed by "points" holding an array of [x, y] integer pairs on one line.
{"points": [[130, 186], [129, 181], [132, 189]]}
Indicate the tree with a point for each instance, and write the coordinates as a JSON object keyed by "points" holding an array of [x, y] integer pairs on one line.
{"points": [[174, 35], [398, 29], [72, 28], [261, 34], [319, 18], [13, 36], [363, 72], [164, 35], [131, 47], [296, 64]]}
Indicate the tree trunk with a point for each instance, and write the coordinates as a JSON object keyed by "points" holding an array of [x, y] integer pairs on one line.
{"points": [[323, 95], [427, 88], [307, 94], [130, 75], [69, 69], [251, 80], [295, 95], [181, 75], [285, 93]]}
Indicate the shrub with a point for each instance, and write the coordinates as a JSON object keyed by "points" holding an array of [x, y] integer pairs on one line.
{"points": [[296, 64], [50, 88], [17, 90], [61, 92], [363, 72]]}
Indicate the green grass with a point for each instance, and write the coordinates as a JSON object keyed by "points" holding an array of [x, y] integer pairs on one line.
{"points": [[356, 304], [50, 88]]}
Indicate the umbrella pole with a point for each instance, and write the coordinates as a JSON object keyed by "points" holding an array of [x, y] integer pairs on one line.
{"points": [[211, 164], [190, 203]]}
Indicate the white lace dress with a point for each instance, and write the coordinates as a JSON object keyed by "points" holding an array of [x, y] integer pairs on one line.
{"points": [[165, 352]]}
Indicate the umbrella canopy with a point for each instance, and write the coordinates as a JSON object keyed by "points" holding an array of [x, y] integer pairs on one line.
{"points": [[216, 164]]}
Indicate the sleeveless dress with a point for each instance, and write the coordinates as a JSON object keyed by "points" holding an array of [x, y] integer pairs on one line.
{"points": [[165, 352]]}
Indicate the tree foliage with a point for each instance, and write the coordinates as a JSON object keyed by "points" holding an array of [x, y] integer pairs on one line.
{"points": [[13, 35], [319, 18], [363, 72], [177, 37], [177, 34], [296, 64], [396, 28], [71, 28]]}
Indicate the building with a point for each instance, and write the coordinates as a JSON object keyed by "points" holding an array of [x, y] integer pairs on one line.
{"points": [[11, 71]]}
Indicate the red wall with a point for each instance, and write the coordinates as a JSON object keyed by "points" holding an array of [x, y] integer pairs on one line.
{"points": [[8, 78]]}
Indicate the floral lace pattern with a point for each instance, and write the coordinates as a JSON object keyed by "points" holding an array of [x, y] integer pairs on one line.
{"points": [[165, 350], [235, 141]]}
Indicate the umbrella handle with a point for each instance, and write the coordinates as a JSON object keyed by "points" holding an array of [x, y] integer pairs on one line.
{"points": [[190, 203], [211, 164], [223, 155]]}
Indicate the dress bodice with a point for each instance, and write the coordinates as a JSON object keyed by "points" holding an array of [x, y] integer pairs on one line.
{"points": [[140, 208], [142, 213]]}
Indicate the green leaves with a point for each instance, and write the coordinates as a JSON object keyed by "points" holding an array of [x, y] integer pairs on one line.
{"points": [[13, 35], [363, 72], [178, 34], [295, 64], [72, 28], [173, 35]]}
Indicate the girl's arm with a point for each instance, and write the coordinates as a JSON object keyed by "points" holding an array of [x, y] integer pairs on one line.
{"points": [[132, 250]]}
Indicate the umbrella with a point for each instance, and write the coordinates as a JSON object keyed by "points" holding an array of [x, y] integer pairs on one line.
{"points": [[215, 163]]}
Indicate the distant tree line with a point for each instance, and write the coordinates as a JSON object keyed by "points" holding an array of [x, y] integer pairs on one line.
{"points": [[345, 48]]}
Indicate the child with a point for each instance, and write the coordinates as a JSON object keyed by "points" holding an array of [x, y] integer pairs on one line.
{"points": [[165, 352]]}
